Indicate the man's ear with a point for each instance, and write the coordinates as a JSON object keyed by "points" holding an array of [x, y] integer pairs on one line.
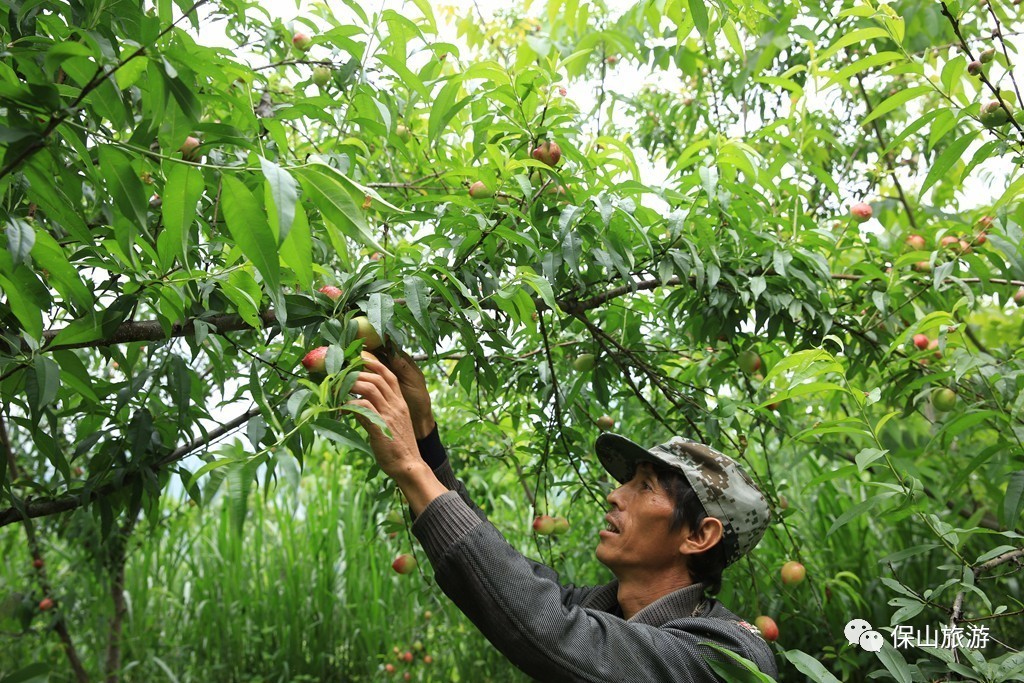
{"points": [[703, 538]]}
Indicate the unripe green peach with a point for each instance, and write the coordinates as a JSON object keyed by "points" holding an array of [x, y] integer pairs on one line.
{"points": [[944, 399], [321, 75], [479, 190], [584, 362], [749, 361], [301, 41], [992, 114], [366, 332]]}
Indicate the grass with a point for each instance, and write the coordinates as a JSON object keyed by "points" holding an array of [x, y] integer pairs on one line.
{"points": [[302, 591]]}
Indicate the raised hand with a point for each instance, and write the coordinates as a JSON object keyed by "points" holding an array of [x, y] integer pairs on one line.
{"points": [[381, 393], [414, 388]]}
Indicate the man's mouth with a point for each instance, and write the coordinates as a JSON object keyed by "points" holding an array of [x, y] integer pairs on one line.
{"points": [[611, 526]]}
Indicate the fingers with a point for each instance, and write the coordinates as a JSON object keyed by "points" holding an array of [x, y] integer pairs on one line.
{"points": [[381, 375], [378, 385], [362, 403], [376, 390], [373, 431], [409, 374], [375, 364]]}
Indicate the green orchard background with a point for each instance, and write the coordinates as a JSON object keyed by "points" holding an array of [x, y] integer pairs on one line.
{"points": [[180, 501]]}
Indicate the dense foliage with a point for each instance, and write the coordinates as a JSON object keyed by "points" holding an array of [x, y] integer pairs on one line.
{"points": [[171, 210]]}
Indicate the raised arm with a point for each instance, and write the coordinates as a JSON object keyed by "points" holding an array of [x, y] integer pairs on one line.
{"points": [[397, 455]]}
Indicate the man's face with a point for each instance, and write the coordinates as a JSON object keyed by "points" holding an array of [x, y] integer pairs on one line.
{"points": [[638, 534]]}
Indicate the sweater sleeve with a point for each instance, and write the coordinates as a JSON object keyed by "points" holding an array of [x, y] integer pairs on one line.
{"points": [[434, 454], [521, 608]]}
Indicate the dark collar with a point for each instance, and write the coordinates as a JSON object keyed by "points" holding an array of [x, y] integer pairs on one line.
{"points": [[685, 602]]}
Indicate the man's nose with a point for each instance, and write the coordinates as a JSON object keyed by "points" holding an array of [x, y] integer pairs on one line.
{"points": [[615, 496]]}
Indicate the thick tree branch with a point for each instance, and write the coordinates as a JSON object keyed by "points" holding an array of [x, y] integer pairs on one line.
{"points": [[44, 508], [958, 601], [152, 330], [117, 597]]}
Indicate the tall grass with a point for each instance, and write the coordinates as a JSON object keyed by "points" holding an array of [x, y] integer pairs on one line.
{"points": [[301, 591]]}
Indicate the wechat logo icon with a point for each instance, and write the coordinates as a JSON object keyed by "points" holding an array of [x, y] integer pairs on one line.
{"points": [[859, 632]]}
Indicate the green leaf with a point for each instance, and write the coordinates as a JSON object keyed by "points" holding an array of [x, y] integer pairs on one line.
{"points": [[857, 510], [699, 13], [28, 313], [417, 300], [75, 375], [572, 248], [735, 668], [283, 193], [1013, 501], [33, 673], [297, 249], [857, 36], [894, 662], [156, 660], [185, 98], [124, 185], [21, 237], [331, 195], [949, 156], [85, 329], [896, 101], [42, 383], [806, 364], [810, 667], [243, 291], [868, 456], [445, 107], [53, 200], [379, 311], [49, 256], [248, 225], [182, 192], [863, 63]]}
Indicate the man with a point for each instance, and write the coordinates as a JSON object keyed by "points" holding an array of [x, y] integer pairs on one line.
{"points": [[648, 625]]}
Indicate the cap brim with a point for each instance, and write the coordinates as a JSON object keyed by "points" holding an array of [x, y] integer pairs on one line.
{"points": [[620, 456]]}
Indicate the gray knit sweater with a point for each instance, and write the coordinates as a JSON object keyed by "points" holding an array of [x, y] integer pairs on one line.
{"points": [[563, 633]]}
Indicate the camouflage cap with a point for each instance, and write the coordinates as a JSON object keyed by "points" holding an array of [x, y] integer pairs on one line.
{"points": [[725, 490]]}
